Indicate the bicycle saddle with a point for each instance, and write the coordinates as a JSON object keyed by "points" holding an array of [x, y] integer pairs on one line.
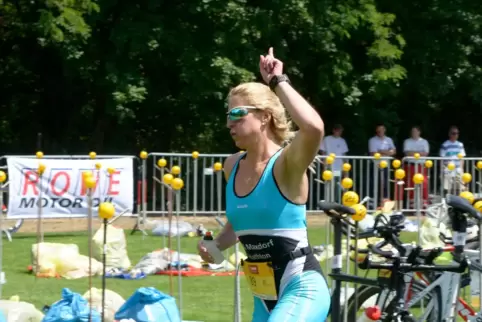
{"points": [[462, 205]]}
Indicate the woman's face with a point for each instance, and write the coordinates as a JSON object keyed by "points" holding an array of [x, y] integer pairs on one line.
{"points": [[243, 121]]}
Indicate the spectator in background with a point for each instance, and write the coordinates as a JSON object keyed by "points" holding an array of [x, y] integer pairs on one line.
{"points": [[416, 144], [449, 150], [382, 144], [336, 144]]}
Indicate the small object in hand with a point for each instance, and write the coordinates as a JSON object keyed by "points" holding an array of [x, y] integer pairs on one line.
{"points": [[200, 230], [208, 235]]}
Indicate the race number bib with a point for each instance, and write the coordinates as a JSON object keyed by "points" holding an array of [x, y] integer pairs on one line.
{"points": [[260, 278]]}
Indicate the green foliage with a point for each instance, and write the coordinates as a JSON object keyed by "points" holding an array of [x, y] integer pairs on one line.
{"points": [[117, 76]]}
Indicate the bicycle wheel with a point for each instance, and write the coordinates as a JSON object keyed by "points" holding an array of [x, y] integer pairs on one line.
{"points": [[428, 309]]}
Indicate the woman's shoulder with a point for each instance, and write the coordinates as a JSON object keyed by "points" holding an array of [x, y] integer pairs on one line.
{"points": [[230, 162]]}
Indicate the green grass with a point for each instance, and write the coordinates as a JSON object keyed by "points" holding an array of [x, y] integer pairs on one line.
{"points": [[204, 298]]}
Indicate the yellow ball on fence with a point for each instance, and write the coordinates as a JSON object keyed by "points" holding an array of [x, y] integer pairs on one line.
{"points": [[327, 175], [479, 165], [418, 178], [110, 171], [460, 155], [400, 174], [383, 164], [161, 163], [466, 177], [41, 168], [175, 170], [92, 155], [39, 155], [350, 198], [333, 155], [195, 155], [177, 184], [428, 164], [98, 166], [106, 210], [451, 166], [167, 178], [218, 166], [416, 156], [396, 164], [3, 177], [143, 155], [329, 160], [360, 212], [86, 174], [346, 167], [347, 183], [89, 182], [377, 156], [478, 205], [469, 196]]}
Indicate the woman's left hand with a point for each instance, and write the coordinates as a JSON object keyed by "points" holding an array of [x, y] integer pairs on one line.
{"points": [[269, 66]]}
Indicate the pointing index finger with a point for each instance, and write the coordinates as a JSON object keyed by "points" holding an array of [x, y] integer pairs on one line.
{"points": [[270, 51]]}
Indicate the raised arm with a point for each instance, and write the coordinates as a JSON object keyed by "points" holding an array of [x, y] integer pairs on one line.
{"points": [[299, 154]]}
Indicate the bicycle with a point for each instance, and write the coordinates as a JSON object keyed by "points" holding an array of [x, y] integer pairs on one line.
{"points": [[458, 216], [448, 302], [391, 275]]}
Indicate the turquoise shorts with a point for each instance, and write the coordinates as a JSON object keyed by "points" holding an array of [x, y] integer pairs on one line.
{"points": [[306, 298]]}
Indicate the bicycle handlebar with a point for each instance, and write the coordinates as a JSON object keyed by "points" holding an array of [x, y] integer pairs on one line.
{"points": [[376, 250], [335, 210]]}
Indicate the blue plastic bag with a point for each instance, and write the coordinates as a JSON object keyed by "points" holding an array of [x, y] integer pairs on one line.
{"points": [[71, 308], [149, 305]]}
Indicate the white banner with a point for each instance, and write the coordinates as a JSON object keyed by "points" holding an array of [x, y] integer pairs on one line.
{"points": [[61, 189]]}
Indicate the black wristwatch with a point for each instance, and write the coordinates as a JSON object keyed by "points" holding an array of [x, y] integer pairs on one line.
{"points": [[276, 79]]}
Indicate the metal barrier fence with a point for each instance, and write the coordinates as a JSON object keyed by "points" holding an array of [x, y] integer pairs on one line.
{"points": [[204, 189]]}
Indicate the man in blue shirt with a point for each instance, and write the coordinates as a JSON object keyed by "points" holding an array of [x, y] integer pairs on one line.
{"points": [[450, 150]]}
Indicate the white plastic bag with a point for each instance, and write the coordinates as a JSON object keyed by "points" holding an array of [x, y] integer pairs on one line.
{"points": [[162, 228], [15, 311], [116, 247], [113, 302], [429, 234], [62, 260]]}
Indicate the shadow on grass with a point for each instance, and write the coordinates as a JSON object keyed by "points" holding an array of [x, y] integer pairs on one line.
{"points": [[50, 235]]}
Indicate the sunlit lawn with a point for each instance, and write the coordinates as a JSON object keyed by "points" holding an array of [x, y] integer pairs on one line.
{"points": [[204, 298]]}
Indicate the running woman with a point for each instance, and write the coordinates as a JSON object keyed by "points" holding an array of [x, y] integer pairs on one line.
{"points": [[266, 194]]}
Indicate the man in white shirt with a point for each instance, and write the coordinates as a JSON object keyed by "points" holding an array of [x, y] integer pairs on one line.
{"points": [[449, 150], [416, 144], [381, 144], [384, 145], [336, 144]]}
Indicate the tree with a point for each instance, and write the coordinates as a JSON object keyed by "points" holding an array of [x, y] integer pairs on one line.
{"points": [[117, 76]]}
